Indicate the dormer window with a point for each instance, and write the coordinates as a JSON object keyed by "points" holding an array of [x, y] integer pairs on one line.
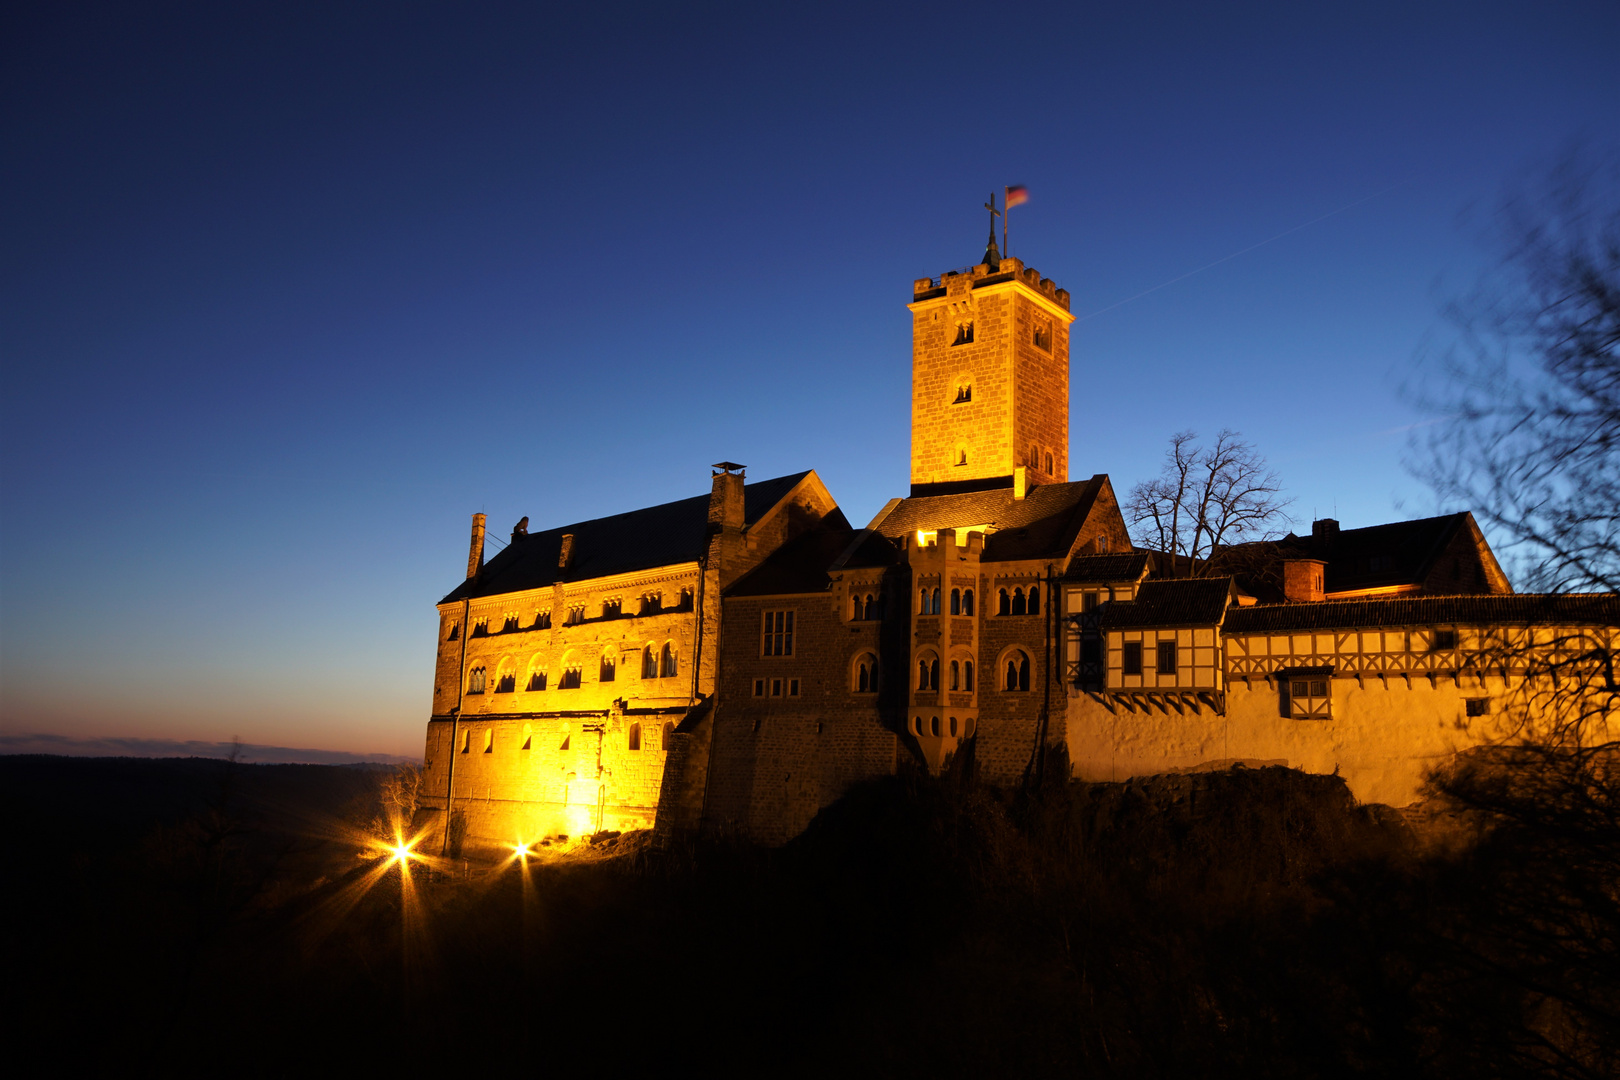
{"points": [[964, 332]]}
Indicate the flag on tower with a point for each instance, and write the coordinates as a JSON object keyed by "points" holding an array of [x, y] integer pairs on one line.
{"points": [[1017, 195]]}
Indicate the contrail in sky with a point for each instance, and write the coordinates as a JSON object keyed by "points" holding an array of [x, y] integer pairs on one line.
{"points": [[1245, 251]]}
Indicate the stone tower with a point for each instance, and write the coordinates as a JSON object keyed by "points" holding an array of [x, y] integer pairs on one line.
{"points": [[989, 378]]}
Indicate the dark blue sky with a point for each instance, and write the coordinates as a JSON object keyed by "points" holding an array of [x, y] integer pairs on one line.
{"points": [[290, 290]]}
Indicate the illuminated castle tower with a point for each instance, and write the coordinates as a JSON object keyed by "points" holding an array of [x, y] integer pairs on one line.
{"points": [[989, 378]]}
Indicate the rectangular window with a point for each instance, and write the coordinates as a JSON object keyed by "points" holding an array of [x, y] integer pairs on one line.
{"points": [[1443, 639], [1089, 601], [1133, 658], [1477, 706], [1043, 334], [610, 609], [542, 621], [1167, 658], [759, 687], [776, 688], [778, 633], [1309, 698], [576, 615], [793, 688]]}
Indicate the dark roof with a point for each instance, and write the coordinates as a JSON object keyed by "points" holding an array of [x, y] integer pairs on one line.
{"points": [[1596, 609], [1041, 525], [1125, 566], [1406, 551], [1184, 602], [675, 532], [800, 565], [872, 549]]}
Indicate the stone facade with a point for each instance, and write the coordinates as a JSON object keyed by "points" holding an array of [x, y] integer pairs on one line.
{"points": [[732, 663]]}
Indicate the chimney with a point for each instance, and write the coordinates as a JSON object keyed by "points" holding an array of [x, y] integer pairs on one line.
{"points": [[1325, 532], [566, 555], [1020, 482], [475, 552], [726, 497], [1302, 580]]}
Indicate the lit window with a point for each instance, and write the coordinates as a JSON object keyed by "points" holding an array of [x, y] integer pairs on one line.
{"points": [[1167, 658], [778, 634]]}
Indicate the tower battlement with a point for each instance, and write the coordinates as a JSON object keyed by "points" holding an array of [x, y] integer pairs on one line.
{"points": [[966, 278]]}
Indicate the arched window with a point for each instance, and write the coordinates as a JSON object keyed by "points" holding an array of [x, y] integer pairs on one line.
{"points": [[922, 601], [666, 662], [668, 736], [953, 727], [634, 741], [455, 631], [1018, 602], [916, 724], [969, 728], [475, 681], [856, 610], [967, 601], [933, 726], [1017, 677], [610, 668], [489, 740], [570, 677], [956, 601], [933, 674], [1034, 458], [866, 674], [537, 680], [1004, 602], [967, 676], [649, 663], [528, 737], [506, 683], [1048, 469], [922, 674], [872, 611], [956, 675], [961, 457], [1034, 599], [934, 602]]}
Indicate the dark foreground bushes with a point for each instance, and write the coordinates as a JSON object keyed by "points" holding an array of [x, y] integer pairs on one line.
{"points": [[1253, 923]]}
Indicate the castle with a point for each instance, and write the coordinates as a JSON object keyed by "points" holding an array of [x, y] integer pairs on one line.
{"points": [[732, 662]]}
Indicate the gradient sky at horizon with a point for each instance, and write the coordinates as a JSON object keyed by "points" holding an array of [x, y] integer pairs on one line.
{"points": [[290, 290]]}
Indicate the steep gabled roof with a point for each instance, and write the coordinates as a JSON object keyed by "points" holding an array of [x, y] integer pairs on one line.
{"points": [[1521, 609], [1181, 602], [800, 565], [674, 532], [1041, 525]]}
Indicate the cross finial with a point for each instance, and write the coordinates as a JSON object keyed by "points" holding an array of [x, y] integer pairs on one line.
{"points": [[992, 257]]}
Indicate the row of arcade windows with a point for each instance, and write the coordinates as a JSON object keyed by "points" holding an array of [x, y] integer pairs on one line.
{"points": [[960, 672], [1018, 603], [776, 687], [632, 739], [662, 664], [650, 604]]}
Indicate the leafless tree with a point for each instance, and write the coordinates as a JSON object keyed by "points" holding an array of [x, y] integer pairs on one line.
{"points": [[1207, 499], [1529, 395], [1528, 437]]}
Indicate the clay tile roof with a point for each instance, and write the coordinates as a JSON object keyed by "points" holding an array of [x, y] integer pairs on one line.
{"points": [[1041, 525], [1183, 602], [1125, 566], [674, 532], [800, 565], [1523, 609]]}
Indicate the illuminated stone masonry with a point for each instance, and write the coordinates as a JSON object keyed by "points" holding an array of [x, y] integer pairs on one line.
{"points": [[731, 663]]}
